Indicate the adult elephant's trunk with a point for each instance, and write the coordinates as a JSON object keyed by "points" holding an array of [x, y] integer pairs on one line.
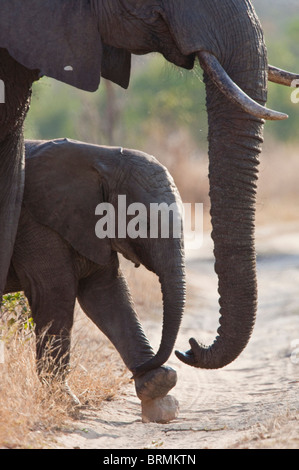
{"points": [[235, 138], [173, 290]]}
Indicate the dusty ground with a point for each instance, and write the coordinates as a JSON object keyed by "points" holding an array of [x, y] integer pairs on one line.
{"points": [[252, 403]]}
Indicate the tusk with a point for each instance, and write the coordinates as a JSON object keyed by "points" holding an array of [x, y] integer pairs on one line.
{"points": [[282, 77], [216, 72]]}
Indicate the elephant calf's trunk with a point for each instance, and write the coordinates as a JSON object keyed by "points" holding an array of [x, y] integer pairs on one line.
{"points": [[173, 290]]}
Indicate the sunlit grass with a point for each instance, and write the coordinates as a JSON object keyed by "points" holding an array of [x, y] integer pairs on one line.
{"points": [[31, 411]]}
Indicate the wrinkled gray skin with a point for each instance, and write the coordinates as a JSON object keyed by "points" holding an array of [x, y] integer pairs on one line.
{"points": [[57, 256], [79, 41]]}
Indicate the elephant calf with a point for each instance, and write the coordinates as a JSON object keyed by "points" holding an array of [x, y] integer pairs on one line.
{"points": [[58, 257]]}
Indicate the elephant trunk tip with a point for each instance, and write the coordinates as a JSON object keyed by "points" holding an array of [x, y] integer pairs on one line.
{"points": [[209, 357]]}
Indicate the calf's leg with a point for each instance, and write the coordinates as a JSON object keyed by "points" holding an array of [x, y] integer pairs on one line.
{"points": [[105, 298], [43, 264]]}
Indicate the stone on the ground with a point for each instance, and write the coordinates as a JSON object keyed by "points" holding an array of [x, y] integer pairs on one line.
{"points": [[160, 410]]}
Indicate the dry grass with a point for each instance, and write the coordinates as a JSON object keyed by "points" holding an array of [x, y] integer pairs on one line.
{"points": [[280, 432], [30, 411]]}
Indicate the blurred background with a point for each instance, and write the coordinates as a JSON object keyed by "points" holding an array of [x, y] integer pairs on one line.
{"points": [[163, 113]]}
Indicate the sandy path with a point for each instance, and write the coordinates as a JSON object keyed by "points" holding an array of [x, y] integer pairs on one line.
{"points": [[253, 402]]}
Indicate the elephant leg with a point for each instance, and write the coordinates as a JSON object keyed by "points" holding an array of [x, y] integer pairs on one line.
{"points": [[11, 193], [12, 282], [53, 339], [105, 298], [17, 81], [43, 263]]}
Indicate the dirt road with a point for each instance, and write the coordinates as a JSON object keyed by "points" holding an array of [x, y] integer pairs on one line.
{"points": [[252, 403]]}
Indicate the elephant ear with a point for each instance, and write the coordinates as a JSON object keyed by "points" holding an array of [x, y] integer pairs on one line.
{"points": [[194, 37], [60, 39], [63, 186], [116, 65]]}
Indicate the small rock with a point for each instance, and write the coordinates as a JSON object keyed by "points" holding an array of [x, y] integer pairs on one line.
{"points": [[160, 410]]}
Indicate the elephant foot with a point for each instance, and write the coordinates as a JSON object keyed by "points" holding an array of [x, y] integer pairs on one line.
{"points": [[60, 387], [156, 383], [160, 410]]}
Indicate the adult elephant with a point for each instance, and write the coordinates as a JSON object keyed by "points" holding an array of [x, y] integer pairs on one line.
{"points": [[81, 40]]}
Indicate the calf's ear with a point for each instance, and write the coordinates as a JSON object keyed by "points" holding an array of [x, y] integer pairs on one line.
{"points": [[63, 187]]}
